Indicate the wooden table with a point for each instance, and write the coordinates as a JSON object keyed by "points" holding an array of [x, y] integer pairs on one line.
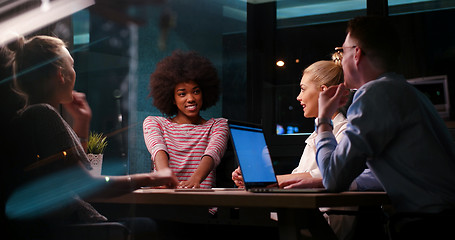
{"points": [[295, 210]]}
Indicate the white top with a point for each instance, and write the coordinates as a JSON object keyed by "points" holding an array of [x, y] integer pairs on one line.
{"points": [[308, 160]]}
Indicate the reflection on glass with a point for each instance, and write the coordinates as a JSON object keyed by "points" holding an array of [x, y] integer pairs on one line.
{"points": [[124, 45]]}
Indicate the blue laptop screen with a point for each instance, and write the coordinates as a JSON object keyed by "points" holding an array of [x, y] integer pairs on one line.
{"points": [[253, 154]]}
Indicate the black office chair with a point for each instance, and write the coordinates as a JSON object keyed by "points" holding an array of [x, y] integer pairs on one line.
{"points": [[224, 170], [95, 231], [412, 225], [371, 222], [37, 230]]}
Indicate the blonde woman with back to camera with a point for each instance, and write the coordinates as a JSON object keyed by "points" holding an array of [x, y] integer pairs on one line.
{"points": [[47, 146]]}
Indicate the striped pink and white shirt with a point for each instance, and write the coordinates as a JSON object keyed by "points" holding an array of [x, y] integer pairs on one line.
{"points": [[186, 144]]}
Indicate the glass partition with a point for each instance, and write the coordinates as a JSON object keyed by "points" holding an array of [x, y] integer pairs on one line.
{"points": [[116, 45], [399, 7], [308, 31], [118, 48], [293, 13]]}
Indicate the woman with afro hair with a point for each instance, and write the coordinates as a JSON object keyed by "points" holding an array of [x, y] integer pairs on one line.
{"points": [[182, 85]]}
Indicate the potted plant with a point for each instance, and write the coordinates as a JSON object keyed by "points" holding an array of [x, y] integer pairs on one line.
{"points": [[95, 148]]}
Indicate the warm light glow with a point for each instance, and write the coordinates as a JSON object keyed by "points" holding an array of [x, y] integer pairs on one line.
{"points": [[280, 63], [64, 153], [297, 60]]}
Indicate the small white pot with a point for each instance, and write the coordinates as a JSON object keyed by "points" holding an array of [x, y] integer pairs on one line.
{"points": [[96, 162]]}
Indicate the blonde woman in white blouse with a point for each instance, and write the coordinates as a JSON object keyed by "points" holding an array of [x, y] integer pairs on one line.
{"points": [[316, 78]]}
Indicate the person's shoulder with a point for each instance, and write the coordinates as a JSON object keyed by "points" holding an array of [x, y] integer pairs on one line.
{"points": [[157, 120], [218, 121], [41, 117], [39, 107], [385, 82], [389, 85], [38, 110]]}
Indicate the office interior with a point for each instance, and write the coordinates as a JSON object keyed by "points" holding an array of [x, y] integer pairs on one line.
{"points": [[259, 48], [116, 45]]}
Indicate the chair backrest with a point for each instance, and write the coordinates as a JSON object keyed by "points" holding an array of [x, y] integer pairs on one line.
{"points": [[452, 132], [226, 167]]}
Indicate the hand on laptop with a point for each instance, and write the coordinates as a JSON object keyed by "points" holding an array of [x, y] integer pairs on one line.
{"points": [[302, 183], [238, 178]]}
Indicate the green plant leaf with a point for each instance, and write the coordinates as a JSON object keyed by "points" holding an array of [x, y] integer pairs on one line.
{"points": [[96, 143]]}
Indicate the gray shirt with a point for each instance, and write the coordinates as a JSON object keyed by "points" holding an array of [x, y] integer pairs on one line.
{"points": [[47, 173]]}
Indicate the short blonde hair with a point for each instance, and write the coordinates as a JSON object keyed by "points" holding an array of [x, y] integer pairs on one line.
{"points": [[326, 72]]}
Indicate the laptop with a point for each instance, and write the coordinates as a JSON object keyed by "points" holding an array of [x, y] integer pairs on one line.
{"points": [[253, 157]]}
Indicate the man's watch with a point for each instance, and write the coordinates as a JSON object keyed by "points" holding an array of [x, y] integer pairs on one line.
{"points": [[319, 121]]}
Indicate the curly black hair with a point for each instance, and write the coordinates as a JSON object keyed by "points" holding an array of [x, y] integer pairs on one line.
{"points": [[183, 67]]}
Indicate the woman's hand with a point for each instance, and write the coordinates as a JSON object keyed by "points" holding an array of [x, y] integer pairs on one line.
{"points": [[331, 100], [303, 183], [79, 108], [284, 180], [165, 172], [165, 178], [81, 113], [190, 183], [238, 178], [205, 166], [117, 185]]}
